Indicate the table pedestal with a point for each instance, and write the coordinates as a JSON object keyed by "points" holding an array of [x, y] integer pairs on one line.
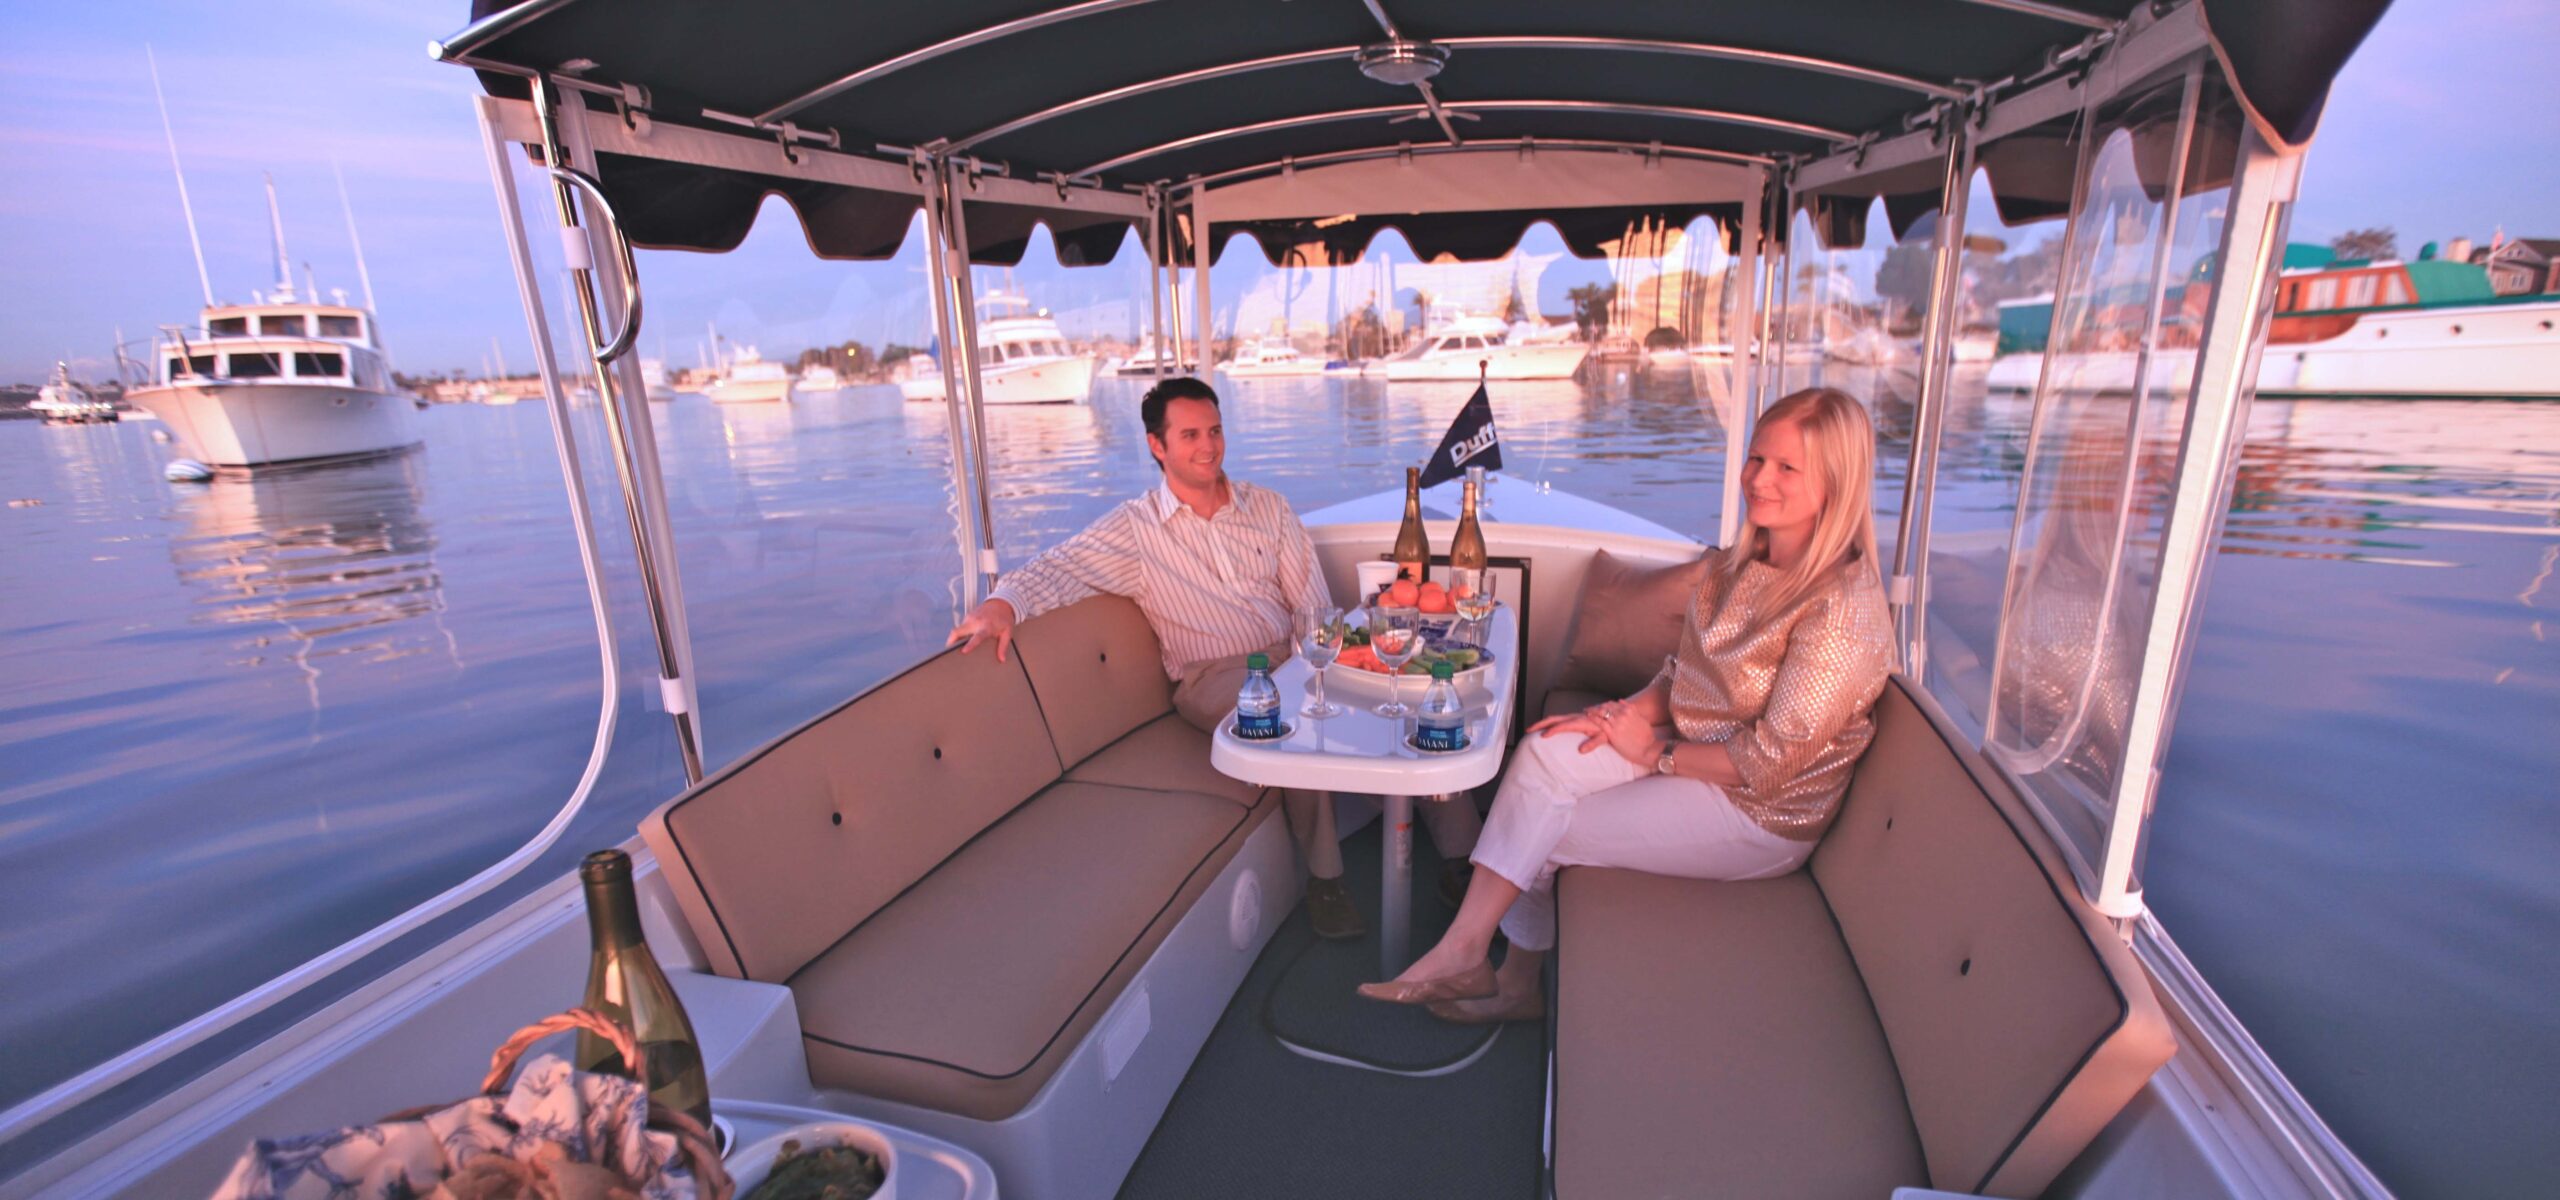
{"points": [[1395, 887]]}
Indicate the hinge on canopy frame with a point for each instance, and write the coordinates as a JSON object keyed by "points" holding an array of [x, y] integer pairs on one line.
{"points": [[631, 102], [1653, 155]]}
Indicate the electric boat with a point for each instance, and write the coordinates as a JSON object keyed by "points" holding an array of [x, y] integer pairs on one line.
{"points": [[1004, 913]]}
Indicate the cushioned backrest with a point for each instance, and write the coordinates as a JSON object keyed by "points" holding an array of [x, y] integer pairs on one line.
{"points": [[2019, 1022], [1098, 672], [1626, 620], [781, 855]]}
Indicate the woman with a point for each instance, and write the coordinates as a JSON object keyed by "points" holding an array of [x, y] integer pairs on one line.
{"points": [[1732, 762]]}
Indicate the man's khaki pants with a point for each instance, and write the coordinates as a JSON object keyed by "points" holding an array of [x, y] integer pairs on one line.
{"points": [[1207, 694]]}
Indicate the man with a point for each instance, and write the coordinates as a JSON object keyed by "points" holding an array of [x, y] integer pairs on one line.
{"points": [[1220, 568]]}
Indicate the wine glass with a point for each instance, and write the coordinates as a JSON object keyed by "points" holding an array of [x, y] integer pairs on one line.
{"points": [[1395, 636], [1473, 593], [1319, 640]]}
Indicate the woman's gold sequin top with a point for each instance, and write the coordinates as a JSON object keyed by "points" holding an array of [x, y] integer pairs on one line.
{"points": [[1791, 693]]}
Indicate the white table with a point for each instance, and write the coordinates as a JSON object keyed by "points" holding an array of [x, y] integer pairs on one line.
{"points": [[1360, 751]]}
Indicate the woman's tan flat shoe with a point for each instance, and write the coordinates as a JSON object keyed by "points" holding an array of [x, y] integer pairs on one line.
{"points": [[1492, 1010], [1474, 983]]}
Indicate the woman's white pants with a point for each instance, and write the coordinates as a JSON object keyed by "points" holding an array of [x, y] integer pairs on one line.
{"points": [[1559, 807]]}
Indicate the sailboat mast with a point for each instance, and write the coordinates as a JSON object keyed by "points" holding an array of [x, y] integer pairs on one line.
{"points": [[363, 277], [185, 205], [275, 217]]}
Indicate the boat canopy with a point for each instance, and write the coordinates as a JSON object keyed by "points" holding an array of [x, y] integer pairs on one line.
{"points": [[1105, 100]]}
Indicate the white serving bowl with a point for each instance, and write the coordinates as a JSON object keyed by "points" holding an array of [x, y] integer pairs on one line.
{"points": [[749, 1166]]}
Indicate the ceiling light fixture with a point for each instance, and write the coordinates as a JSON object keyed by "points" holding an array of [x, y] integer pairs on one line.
{"points": [[1402, 61]]}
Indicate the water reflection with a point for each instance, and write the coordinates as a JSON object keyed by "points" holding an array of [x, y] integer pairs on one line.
{"points": [[318, 564]]}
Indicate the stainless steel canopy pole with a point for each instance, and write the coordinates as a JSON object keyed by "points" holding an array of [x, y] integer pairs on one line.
{"points": [[964, 311], [567, 181], [1207, 342], [1743, 377], [1159, 261], [946, 334], [1908, 586]]}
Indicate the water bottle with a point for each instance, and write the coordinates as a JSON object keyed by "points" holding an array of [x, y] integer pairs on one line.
{"points": [[1442, 723], [1258, 701]]}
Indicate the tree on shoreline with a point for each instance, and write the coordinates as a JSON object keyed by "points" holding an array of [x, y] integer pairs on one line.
{"points": [[2379, 242]]}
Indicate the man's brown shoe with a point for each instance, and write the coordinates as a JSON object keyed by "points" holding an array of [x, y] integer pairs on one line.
{"points": [[1330, 910]]}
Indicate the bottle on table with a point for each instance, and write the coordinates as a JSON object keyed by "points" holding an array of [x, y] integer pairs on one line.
{"points": [[624, 982], [1466, 548], [1441, 724], [1413, 549], [1258, 701]]}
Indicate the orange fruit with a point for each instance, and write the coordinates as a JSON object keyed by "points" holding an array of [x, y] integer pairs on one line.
{"points": [[1436, 601], [1403, 594]]}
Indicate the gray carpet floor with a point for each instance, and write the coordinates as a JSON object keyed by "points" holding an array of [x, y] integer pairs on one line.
{"points": [[1253, 1119]]}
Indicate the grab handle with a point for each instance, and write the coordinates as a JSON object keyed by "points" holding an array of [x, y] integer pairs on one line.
{"points": [[620, 343]]}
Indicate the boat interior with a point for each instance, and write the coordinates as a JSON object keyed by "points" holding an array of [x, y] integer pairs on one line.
{"points": [[1007, 909]]}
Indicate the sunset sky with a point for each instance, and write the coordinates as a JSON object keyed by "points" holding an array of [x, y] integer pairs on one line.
{"points": [[2447, 123]]}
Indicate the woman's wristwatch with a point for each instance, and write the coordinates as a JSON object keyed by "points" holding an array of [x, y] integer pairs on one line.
{"points": [[1666, 764]]}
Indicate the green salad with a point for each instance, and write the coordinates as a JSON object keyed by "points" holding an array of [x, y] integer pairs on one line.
{"points": [[824, 1173]]}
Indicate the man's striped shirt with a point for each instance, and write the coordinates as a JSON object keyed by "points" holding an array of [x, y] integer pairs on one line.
{"points": [[1212, 587]]}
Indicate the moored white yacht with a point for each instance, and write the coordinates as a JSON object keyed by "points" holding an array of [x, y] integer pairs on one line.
{"points": [[1483, 348], [1003, 914], [1022, 359], [283, 379], [2423, 329], [820, 378]]}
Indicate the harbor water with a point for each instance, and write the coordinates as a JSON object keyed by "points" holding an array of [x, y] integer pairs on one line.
{"points": [[248, 719]]}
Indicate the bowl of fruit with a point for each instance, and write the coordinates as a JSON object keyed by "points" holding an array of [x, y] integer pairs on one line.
{"points": [[1370, 673]]}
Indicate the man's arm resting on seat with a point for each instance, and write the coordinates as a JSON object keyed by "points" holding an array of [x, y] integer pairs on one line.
{"points": [[1101, 558]]}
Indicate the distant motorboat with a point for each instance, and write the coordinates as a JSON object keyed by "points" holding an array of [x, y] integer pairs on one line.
{"points": [[1148, 361], [1270, 357], [654, 380], [752, 380], [820, 379], [63, 402], [918, 377]]}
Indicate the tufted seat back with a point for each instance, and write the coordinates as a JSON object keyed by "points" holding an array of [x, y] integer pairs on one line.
{"points": [[806, 838], [1097, 671], [2019, 1022]]}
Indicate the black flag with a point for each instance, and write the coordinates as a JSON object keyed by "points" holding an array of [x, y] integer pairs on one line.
{"points": [[1470, 442]]}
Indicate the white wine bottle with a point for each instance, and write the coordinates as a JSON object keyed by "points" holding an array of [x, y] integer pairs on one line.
{"points": [[624, 982]]}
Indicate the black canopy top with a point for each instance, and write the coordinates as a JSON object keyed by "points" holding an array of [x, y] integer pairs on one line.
{"points": [[1129, 93]]}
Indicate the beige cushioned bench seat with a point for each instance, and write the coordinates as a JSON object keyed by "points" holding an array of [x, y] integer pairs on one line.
{"points": [[957, 872], [1928, 1004]]}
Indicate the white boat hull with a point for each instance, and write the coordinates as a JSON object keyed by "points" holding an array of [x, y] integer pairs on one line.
{"points": [[1556, 361], [1050, 381], [751, 391], [256, 424], [2504, 351], [1296, 370]]}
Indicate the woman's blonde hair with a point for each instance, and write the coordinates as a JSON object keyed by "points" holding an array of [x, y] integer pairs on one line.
{"points": [[1841, 443]]}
